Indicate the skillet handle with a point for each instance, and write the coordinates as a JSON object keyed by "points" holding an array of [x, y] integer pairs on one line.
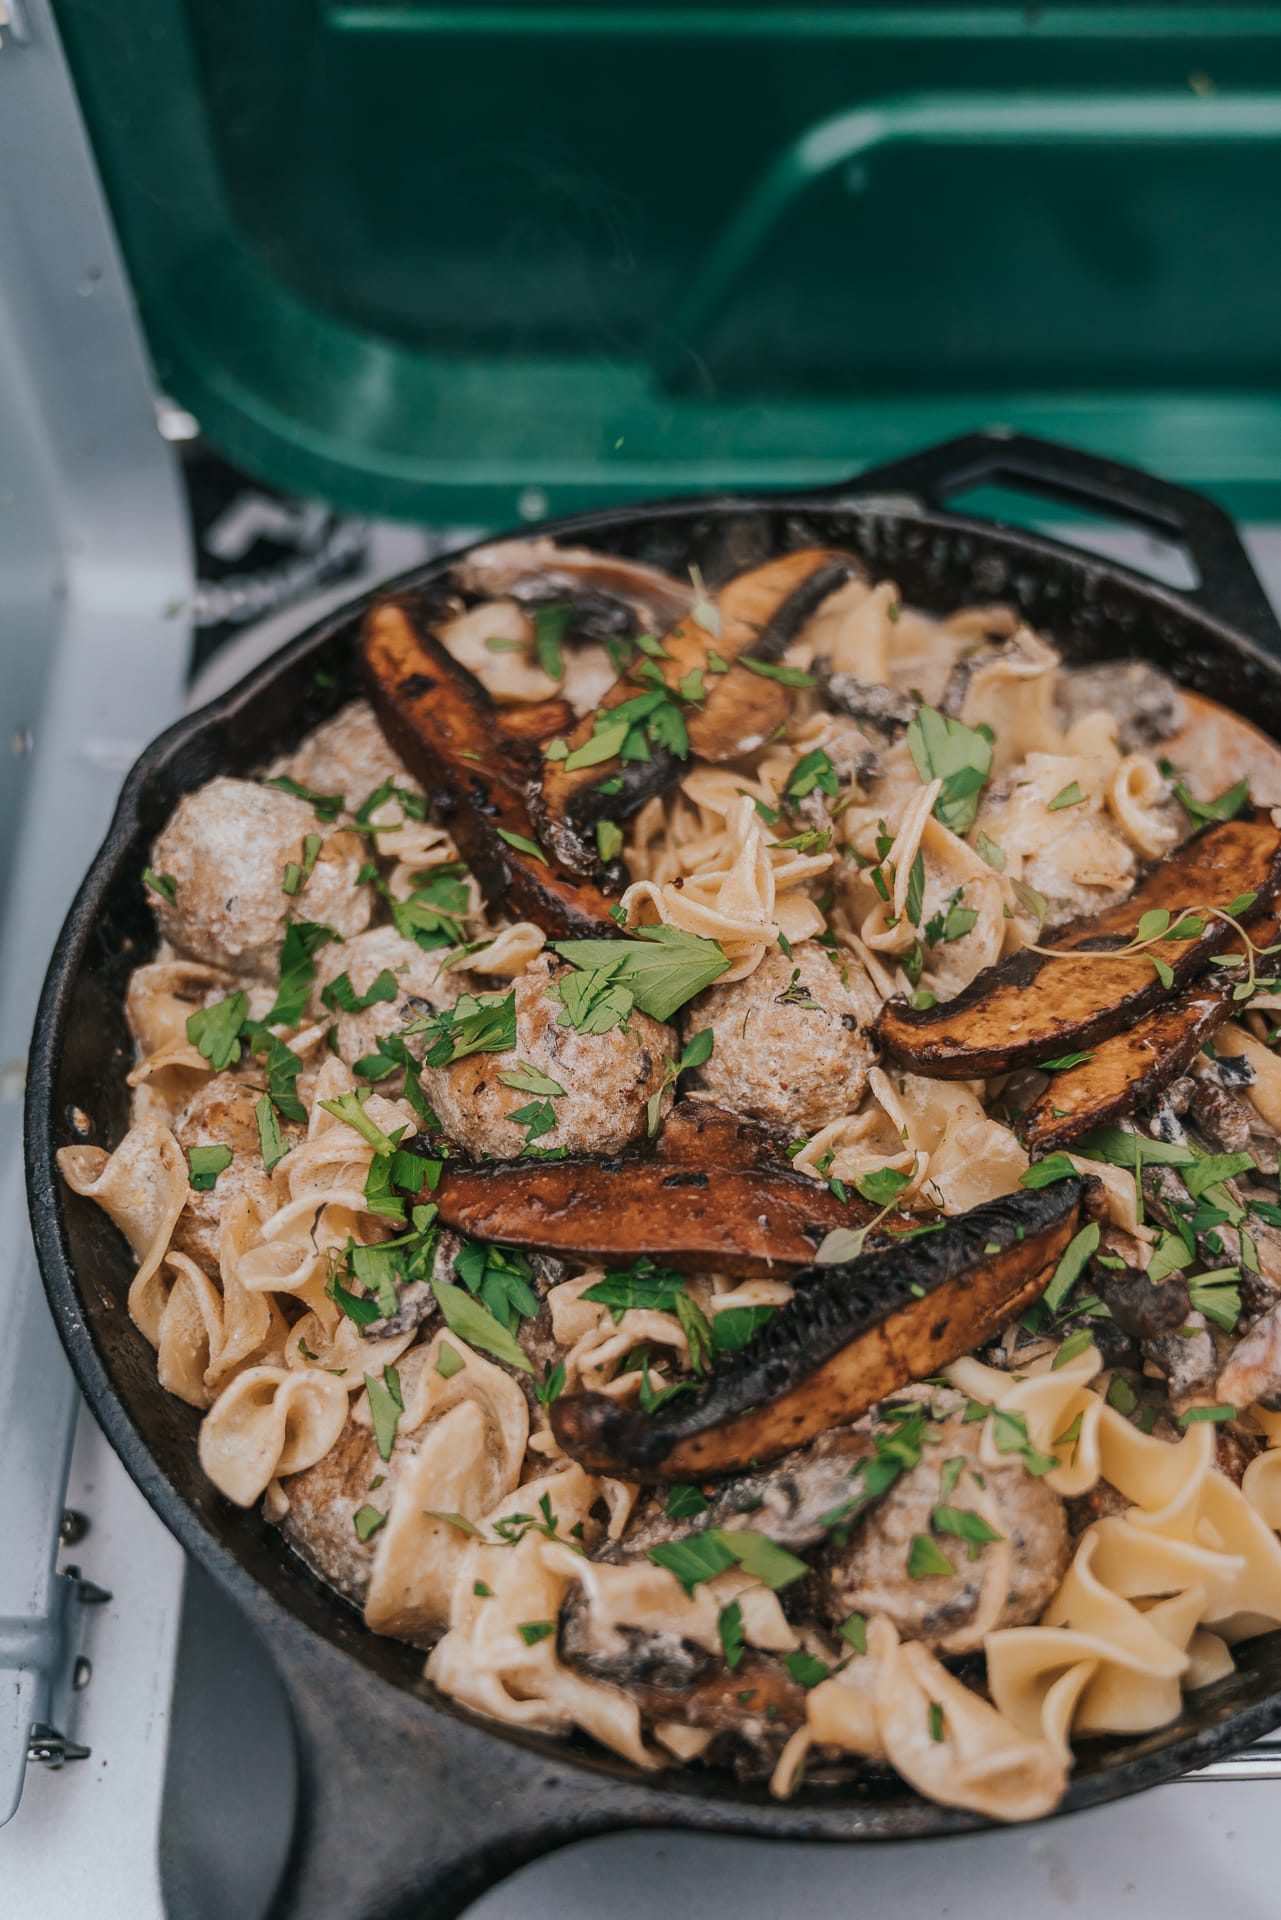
{"points": [[1228, 587], [408, 1814]]}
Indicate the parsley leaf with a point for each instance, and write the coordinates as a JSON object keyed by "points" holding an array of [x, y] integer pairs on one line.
{"points": [[925, 1558], [351, 1108], [343, 998], [662, 967], [271, 1141], [215, 1030], [385, 1406], [550, 627], [812, 771], [729, 1625], [161, 883], [944, 749], [477, 1023], [965, 1525], [477, 1326], [204, 1164], [522, 843], [303, 939], [1069, 796], [1079, 1250]]}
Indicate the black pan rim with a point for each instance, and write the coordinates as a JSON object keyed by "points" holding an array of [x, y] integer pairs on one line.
{"points": [[688, 1800]]}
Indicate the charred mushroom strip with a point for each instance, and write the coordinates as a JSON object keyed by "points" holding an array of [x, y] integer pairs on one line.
{"points": [[1034, 1006], [723, 707], [448, 731], [732, 1218], [1132, 1067], [851, 1335]]}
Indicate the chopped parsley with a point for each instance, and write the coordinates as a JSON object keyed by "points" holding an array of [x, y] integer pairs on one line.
{"points": [[367, 1521], [215, 1031], [813, 771], [385, 1406], [522, 843], [474, 1324], [342, 997], [296, 876], [660, 968], [1069, 796], [204, 1164], [729, 1625], [303, 940], [161, 883], [476, 1023], [271, 1141], [944, 749], [926, 1559]]}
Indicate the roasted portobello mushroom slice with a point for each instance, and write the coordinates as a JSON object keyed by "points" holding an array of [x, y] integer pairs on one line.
{"points": [[851, 1335], [726, 708], [1130, 1068], [449, 732], [1034, 1006], [738, 1216]]}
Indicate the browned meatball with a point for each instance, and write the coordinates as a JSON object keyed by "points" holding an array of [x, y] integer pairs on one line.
{"points": [[221, 1114], [608, 1079], [416, 973], [791, 1045], [350, 755], [227, 847], [948, 1611], [323, 1500]]}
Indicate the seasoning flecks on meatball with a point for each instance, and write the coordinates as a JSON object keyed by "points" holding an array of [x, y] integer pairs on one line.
{"points": [[791, 1043], [608, 1078], [227, 848], [417, 973], [221, 1114], [348, 755], [950, 1612]]}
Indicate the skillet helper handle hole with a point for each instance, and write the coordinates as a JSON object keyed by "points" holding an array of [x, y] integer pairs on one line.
{"points": [[1225, 584]]}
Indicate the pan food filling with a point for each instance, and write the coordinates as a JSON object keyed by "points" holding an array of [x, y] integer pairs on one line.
{"points": [[708, 1150]]}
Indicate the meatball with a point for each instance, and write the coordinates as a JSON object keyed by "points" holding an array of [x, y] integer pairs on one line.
{"points": [[417, 973], [323, 1500], [791, 1043], [951, 1612], [350, 755], [222, 1114], [227, 847], [608, 1080]]}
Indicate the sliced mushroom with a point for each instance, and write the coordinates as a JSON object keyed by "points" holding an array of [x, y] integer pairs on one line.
{"points": [[1130, 1068], [728, 710], [1188, 1358], [537, 572], [851, 1335], [1145, 703], [867, 700], [1142, 1308], [1031, 1006], [1253, 1373], [719, 1196], [449, 732]]}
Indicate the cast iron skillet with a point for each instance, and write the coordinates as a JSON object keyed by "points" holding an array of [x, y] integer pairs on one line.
{"points": [[410, 1805]]}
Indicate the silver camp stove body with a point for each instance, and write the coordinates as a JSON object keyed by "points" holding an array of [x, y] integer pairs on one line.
{"points": [[140, 1724]]}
